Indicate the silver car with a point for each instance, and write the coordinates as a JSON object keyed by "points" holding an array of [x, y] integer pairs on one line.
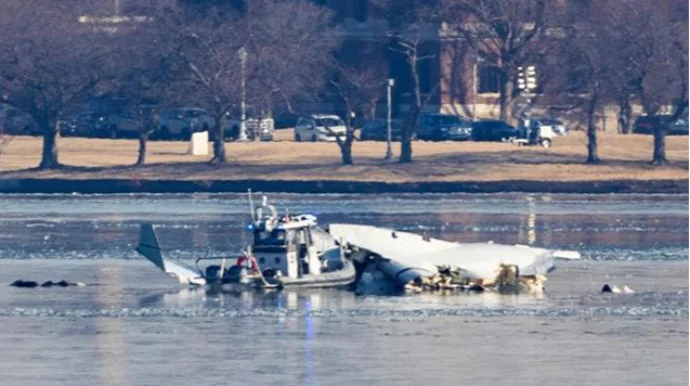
{"points": [[180, 123]]}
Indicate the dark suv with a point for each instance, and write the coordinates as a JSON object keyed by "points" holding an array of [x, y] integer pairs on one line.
{"points": [[443, 127], [646, 124], [493, 130], [378, 130]]}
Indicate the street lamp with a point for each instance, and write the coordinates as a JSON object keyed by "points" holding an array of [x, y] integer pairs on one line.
{"points": [[242, 53], [389, 150], [475, 86]]}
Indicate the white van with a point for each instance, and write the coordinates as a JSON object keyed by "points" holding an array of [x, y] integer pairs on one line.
{"points": [[320, 128]]}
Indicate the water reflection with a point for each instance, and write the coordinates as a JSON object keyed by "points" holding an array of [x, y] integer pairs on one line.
{"points": [[190, 226], [308, 338], [110, 337], [306, 303]]}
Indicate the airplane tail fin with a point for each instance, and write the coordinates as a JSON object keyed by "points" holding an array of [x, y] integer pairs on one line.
{"points": [[151, 250], [149, 247]]}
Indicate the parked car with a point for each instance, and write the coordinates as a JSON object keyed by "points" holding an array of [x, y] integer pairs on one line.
{"points": [[552, 127], [541, 131], [83, 124], [646, 124], [180, 123], [493, 130], [121, 124], [16, 122], [378, 130], [319, 127], [443, 127], [257, 128]]}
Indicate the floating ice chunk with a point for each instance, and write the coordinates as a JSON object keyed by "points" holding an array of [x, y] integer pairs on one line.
{"points": [[616, 290]]}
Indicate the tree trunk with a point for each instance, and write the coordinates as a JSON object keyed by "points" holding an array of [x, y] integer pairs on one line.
{"points": [[218, 143], [503, 96], [346, 145], [406, 141], [659, 157], [49, 157], [592, 156], [413, 116], [143, 137], [624, 115], [346, 151]]}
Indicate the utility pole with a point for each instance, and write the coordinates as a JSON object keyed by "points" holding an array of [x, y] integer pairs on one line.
{"points": [[243, 106], [475, 84], [475, 90], [389, 149]]}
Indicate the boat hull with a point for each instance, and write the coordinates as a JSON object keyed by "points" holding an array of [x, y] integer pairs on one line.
{"points": [[339, 278]]}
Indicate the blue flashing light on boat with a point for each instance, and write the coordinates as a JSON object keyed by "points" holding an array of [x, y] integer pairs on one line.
{"points": [[250, 227]]}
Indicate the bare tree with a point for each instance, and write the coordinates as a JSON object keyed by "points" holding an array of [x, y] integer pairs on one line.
{"points": [[359, 87], [652, 47], [143, 90], [49, 61], [502, 32], [411, 27], [292, 46], [147, 76], [207, 42], [275, 48], [409, 46], [591, 61]]}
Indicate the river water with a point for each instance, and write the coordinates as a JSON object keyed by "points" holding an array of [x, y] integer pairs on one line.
{"points": [[131, 325]]}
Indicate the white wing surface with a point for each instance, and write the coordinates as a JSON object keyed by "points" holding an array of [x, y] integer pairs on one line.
{"points": [[412, 255]]}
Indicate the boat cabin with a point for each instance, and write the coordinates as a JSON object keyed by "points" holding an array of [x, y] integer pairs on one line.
{"points": [[286, 244]]}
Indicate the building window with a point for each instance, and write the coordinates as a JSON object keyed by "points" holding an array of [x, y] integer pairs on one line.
{"points": [[489, 79]]}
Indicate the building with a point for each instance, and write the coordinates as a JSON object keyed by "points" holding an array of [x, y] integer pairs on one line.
{"points": [[453, 78]]}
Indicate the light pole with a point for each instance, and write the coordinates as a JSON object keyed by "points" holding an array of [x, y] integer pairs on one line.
{"points": [[389, 150], [243, 106], [475, 86]]}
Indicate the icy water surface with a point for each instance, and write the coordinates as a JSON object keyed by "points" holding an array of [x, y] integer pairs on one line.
{"points": [[133, 326]]}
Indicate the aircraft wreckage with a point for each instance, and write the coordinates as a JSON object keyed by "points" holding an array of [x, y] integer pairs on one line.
{"points": [[390, 260], [293, 251]]}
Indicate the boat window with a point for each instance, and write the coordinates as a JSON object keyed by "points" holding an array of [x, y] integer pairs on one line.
{"points": [[301, 237], [275, 237], [262, 260], [290, 238], [277, 261]]}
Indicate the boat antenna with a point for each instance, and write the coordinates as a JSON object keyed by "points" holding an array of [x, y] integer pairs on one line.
{"points": [[251, 205]]}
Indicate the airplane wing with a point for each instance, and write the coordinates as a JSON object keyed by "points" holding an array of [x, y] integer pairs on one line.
{"points": [[408, 256], [150, 249]]}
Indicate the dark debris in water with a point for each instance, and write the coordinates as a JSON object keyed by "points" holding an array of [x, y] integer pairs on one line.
{"points": [[33, 284]]}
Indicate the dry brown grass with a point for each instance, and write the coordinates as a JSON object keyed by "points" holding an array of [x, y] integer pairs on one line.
{"points": [[625, 157]]}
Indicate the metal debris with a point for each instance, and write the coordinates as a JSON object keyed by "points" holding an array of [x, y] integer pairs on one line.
{"points": [[507, 281]]}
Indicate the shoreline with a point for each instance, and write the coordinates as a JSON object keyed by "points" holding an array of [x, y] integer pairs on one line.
{"points": [[119, 186]]}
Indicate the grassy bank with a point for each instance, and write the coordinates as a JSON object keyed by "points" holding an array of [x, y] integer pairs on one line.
{"points": [[625, 158]]}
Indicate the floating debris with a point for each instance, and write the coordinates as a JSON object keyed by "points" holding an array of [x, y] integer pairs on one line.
{"points": [[33, 284], [448, 279], [616, 290], [24, 284]]}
